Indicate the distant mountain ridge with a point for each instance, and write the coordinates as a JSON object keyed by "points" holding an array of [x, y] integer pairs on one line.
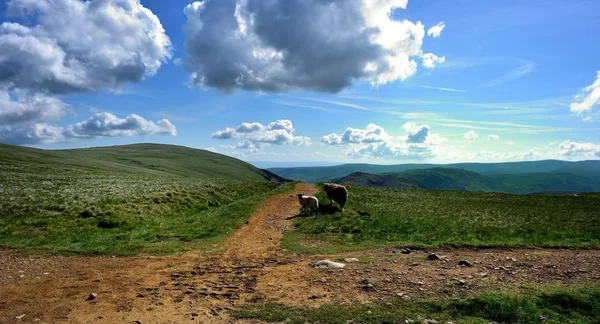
{"points": [[463, 180], [589, 168], [147, 159], [378, 181]]}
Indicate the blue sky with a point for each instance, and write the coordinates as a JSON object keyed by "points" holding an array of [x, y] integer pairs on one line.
{"points": [[509, 84]]}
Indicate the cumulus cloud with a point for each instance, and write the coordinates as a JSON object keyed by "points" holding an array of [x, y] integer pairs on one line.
{"points": [[587, 100], [54, 48], [371, 134], [280, 132], [390, 150], [430, 60], [436, 30], [21, 107], [579, 150], [494, 137], [226, 133], [471, 135], [99, 125], [416, 133], [417, 144], [77, 45], [312, 45]]}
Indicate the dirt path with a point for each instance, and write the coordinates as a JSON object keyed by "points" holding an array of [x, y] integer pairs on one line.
{"points": [[193, 288]]}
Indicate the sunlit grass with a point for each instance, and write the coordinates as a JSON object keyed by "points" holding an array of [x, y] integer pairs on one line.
{"points": [[428, 218], [543, 305], [51, 210]]}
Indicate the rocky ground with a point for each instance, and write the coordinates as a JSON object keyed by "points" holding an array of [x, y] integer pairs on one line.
{"points": [[253, 269]]}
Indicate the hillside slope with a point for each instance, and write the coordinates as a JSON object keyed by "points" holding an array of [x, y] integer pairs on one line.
{"points": [[315, 174], [378, 181], [462, 180], [144, 159]]}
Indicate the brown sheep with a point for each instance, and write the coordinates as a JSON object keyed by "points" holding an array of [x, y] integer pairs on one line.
{"points": [[337, 193]]}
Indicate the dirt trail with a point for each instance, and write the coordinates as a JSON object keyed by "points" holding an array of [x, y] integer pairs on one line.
{"points": [[198, 289]]}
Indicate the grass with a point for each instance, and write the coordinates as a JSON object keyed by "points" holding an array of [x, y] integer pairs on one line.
{"points": [[137, 159], [543, 305], [94, 206], [430, 218]]}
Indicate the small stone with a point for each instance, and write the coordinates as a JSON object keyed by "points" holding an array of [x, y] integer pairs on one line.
{"points": [[46, 273], [420, 283], [369, 312], [194, 314], [405, 251], [92, 296], [406, 297], [18, 317], [465, 263], [328, 264], [433, 256], [430, 321], [483, 274], [350, 260], [462, 282]]}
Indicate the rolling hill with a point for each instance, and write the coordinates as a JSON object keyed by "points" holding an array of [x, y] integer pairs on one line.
{"points": [[378, 181], [462, 180], [316, 174], [144, 159]]}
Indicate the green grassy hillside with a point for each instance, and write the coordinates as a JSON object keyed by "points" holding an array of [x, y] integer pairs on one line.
{"points": [[124, 199], [316, 174], [378, 181], [429, 218], [459, 179], [142, 159]]}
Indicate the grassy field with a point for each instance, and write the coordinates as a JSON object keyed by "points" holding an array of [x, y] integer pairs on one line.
{"points": [[549, 305], [429, 218], [90, 204]]}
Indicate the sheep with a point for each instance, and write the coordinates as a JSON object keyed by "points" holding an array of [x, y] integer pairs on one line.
{"points": [[337, 193], [308, 202]]}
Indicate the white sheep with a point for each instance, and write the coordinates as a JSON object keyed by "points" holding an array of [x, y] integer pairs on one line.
{"points": [[308, 203], [337, 193]]}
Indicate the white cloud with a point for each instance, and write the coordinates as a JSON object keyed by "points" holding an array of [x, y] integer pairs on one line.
{"points": [[416, 133], [280, 132], [226, 133], [248, 146], [99, 125], [66, 46], [389, 150], [323, 46], [108, 125], [419, 143], [580, 150], [371, 134], [471, 136], [587, 100], [494, 137], [436, 30], [430, 60], [80, 45], [21, 107]]}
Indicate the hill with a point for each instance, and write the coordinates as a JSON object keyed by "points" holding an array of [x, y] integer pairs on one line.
{"points": [[462, 180], [125, 199], [316, 174], [142, 159], [378, 181]]}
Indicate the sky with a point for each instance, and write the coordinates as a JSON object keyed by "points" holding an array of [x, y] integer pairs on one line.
{"points": [[308, 82]]}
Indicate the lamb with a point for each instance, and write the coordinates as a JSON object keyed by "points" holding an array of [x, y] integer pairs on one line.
{"points": [[337, 193], [308, 203]]}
